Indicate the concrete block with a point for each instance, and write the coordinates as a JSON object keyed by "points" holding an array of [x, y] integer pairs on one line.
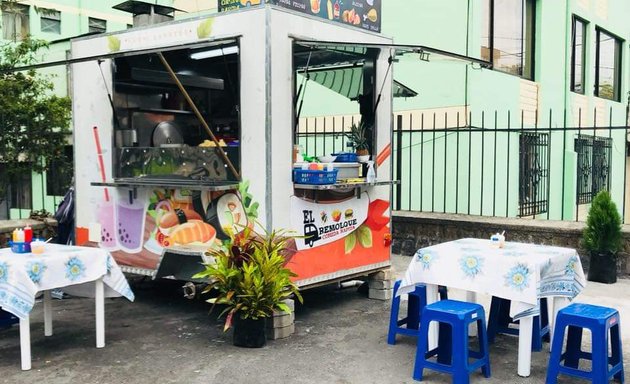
{"points": [[381, 284], [380, 294], [280, 321], [386, 274], [290, 303], [280, 333]]}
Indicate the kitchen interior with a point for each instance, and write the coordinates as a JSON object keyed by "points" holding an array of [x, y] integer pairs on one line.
{"points": [[158, 136]]}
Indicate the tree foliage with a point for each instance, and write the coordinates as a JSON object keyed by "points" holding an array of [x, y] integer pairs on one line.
{"points": [[34, 122]]}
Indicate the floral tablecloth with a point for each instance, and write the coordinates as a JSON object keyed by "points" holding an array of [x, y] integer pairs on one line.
{"points": [[23, 275], [518, 272]]}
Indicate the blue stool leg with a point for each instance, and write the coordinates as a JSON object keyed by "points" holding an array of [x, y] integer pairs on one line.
{"points": [[413, 312], [553, 367], [483, 346], [536, 339], [443, 292], [460, 362], [544, 319], [393, 316], [445, 344], [574, 347], [493, 320], [617, 355], [421, 349], [600, 357]]}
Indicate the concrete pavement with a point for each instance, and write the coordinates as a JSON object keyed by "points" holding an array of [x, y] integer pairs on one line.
{"points": [[162, 338]]}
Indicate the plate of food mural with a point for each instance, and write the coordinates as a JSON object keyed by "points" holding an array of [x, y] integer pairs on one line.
{"points": [[231, 214]]}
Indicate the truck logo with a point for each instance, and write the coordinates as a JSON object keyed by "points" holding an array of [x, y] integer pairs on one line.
{"points": [[311, 234]]}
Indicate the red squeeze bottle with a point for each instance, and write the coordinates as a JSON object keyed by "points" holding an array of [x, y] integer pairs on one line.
{"points": [[28, 234]]}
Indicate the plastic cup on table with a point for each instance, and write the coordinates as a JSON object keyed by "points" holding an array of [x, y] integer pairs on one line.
{"points": [[38, 246]]}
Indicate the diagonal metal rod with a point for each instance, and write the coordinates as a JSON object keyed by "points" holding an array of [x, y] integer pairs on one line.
{"points": [[192, 105]]}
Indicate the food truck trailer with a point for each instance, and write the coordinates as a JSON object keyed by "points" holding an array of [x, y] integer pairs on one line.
{"points": [[186, 132]]}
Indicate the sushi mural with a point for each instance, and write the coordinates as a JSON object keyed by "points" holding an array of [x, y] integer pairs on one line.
{"points": [[139, 231]]}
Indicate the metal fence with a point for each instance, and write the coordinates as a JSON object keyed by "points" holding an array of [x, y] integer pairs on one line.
{"points": [[510, 166]]}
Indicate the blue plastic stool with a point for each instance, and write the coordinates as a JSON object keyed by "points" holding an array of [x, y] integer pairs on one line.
{"points": [[499, 322], [7, 319], [452, 350], [409, 325], [599, 320]]}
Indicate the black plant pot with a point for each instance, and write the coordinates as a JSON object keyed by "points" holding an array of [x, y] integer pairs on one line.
{"points": [[603, 268], [249, 333]]}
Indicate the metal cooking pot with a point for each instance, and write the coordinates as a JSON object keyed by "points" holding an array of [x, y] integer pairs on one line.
{"points": [[168, 133]]}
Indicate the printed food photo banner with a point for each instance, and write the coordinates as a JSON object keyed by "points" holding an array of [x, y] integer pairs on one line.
{"points": [[364, 14], [137, 232]]}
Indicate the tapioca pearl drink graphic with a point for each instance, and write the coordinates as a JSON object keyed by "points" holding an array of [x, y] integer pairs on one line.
{"points": [[106, 216], [130, 223]]}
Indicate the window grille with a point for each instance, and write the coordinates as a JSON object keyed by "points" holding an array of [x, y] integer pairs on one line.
{"points": [[593, 166], [533, 173]]}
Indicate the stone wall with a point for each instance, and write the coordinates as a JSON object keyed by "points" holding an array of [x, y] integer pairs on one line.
{"points": [[414, 230], [42, 229]]}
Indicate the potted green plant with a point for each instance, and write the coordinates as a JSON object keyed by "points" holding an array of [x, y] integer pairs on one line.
{"points": [[359, 138], [602, 238], [250, 279]]}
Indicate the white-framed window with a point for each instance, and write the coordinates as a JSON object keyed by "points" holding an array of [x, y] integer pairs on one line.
{"points": [[508, 34], [97, 25], [50, 21], [15, 21]]}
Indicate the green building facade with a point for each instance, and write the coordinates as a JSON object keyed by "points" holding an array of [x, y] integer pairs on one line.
{"points": [[504, 141]]}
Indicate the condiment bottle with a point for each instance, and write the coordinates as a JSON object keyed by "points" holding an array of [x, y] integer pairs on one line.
{"points": [[15, 235], [28, 234], [20, 236]]}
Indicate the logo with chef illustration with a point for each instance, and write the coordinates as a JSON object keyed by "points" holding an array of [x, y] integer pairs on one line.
{"points": [[323, 223]]}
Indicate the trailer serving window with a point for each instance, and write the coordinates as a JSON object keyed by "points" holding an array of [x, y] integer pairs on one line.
{"points": [[176, 114], [343, 75]]}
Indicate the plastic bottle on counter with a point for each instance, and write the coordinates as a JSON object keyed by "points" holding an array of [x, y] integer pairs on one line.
{"points": [[14, 236], [370, 177]]}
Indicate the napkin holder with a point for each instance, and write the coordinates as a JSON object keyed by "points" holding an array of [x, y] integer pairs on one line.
{"points": [[20, 247]]}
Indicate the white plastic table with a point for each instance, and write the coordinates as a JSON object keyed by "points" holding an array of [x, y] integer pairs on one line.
{"points": [[522, 273], [22, 276]]}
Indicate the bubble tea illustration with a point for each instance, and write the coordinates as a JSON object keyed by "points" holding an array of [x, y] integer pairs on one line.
{"points": [[130, 218], [106, 216]]}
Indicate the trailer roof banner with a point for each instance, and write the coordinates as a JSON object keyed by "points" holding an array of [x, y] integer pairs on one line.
{"points": [[364, 14]]}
